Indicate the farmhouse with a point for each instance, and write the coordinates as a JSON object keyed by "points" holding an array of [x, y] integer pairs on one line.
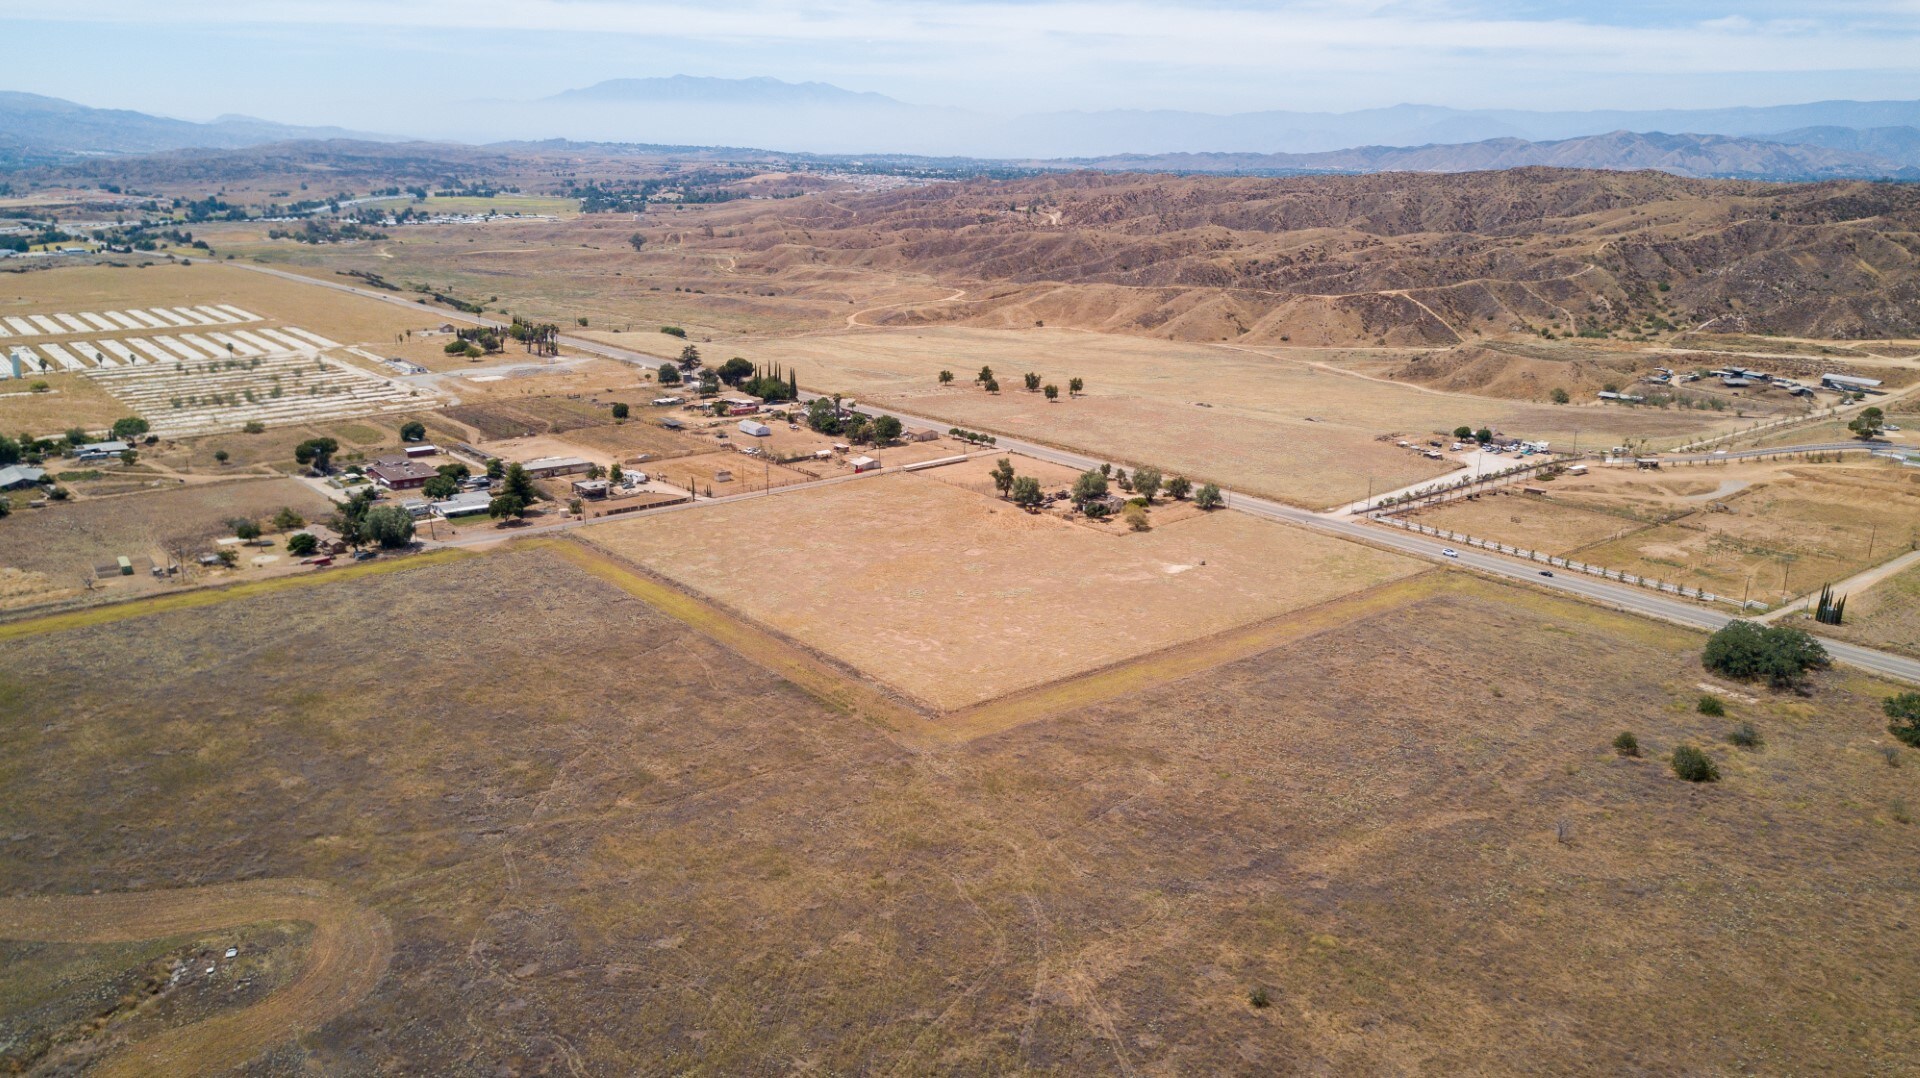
{"points": [[99, 450], [464, 503], [548, 467], [400, 473], [591, 488], [15, 476]]}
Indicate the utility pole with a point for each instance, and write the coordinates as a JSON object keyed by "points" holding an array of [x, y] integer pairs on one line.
{"points": [[1871, 535]]}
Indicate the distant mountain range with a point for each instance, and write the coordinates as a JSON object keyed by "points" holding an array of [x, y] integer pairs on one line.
{"points": [[1682, 155], [1822, 140]]}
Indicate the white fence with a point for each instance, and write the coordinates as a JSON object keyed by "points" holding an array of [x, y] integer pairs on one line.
{"points": [[1568, 564]]}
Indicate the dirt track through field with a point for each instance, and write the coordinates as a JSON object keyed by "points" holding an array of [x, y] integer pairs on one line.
{"points": [[350, 950]]}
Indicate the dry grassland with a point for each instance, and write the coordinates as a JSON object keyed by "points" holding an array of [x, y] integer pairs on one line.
{"points": [[614, 847], [1810, 525], [339, 316], [1278, 424], [1526, 520], [71, 400], [954, 598], [1886, 615]]}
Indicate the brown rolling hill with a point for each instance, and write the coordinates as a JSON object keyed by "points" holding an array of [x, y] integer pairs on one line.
{"points": [[1401, 259]]}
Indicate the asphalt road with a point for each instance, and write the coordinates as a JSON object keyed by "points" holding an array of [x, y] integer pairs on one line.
{"points": [[1619, 596]]}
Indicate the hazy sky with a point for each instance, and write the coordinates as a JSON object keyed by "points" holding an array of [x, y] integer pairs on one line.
{"points": [[394, 65]]}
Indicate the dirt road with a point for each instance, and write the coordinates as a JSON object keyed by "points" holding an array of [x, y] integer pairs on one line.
{"points": [[350, 950]]}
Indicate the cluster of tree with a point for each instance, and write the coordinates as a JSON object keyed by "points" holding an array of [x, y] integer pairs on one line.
{"points": [[825, 416], [772, 384], [541, 338], [1903, 717], [317, 232], [1868, 424], [360, 522], [972, 437], [316, 453], [371, 278], [210, 208], [1468, 434], [1748, 650], [446, 483]]}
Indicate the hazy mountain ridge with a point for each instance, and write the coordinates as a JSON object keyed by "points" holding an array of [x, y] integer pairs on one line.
{"points": [[49, 125], [1683, 154]]}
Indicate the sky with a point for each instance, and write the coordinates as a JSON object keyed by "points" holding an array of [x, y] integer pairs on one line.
{"points": [[406, 65]]}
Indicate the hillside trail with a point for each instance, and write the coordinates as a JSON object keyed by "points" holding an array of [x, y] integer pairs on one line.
{"points": [[351, 946], [853, 320]]}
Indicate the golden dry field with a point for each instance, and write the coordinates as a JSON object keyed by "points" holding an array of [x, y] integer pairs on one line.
{"points": [[1277, 424], [954, 598], [615, 846]]}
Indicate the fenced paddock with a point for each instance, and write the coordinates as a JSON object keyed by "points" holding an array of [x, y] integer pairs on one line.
{"points": [[181, 399]]}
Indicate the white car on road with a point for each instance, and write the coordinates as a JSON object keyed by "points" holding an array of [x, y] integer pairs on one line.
{"points": [[1449, 552]]}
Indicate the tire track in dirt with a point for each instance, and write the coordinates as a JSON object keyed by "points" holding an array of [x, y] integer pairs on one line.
{"points": [[350, 949]]}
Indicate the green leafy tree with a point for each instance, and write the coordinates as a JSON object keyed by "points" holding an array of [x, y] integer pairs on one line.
{"points": [[1033, 382], [886, 428], [1560, 396], [1089, 486], [1207, 497], [946, 378], [1003, 476], [1483, 435], [413, 431], [823, 416], [1903, 717], [985, 375], [735, 371], [1146, 482], [1747, 650], [1076, 386], [615, 475], [506, 505], [496, 469], [1026, 492], [389, 525], [317, 453], [518, 484], [620, 410], [10, 451], [1868, 424], [689, 357], [126, 430], [1463, 432], [245, 529], [286, 519], [221, 456], [1052, 391], [669, 374], [1626, 744], [128, 456], [78, 436], [301, 544], [1179, 487], [351, 520], [992, 386], [441, 487]]}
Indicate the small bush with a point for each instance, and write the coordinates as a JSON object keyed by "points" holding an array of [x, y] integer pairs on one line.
{"points": [[1626, 744], [1711, 705], [1898, 810], [1745, 736], [1259, 998], [1903, 715], [1891, 755], [1693, 765]]}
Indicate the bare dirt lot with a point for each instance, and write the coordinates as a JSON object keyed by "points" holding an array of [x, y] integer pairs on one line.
{"points": [[1525, 520], [1280, 423], [616, 848], [56, 547], [955, 598]]}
